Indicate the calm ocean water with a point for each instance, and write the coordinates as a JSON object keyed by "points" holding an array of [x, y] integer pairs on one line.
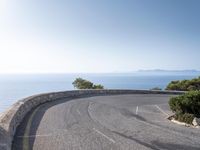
{"points": [[15, 87]]}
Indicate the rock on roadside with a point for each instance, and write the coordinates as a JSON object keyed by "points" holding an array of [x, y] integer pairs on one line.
{"points": [[196, 122]]}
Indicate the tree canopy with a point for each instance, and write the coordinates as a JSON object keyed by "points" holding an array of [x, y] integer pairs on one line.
{"points": [[80, 83]]}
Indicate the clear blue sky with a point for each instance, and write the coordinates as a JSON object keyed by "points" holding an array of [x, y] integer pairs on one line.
{"points": [[99, 35]]}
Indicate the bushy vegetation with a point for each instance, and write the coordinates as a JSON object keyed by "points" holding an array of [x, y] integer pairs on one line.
{"points": [[186, 106], [156, 88], [184, 85], [187, 118], [80, 83], [98, 86]]}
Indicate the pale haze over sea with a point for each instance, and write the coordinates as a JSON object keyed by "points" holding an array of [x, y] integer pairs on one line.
{"points": [[17, 86]]}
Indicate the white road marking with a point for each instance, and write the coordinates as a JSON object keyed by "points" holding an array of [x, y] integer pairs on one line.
{"points": [[161, 110], [160, 121], [78, 112], [3, 144], [59, 131], [136, 110], [146, 112], [37, 135], [90, 104], [113, 141]]}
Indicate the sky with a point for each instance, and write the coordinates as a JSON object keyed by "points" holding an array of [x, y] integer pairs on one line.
{"points": [[98, 36]]}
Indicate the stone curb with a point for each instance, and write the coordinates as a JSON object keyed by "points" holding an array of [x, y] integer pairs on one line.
{"points": [[197, 125]]}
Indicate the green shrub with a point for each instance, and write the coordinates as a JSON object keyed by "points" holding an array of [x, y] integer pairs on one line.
{"points": [[184, 85], [175, 104], [187, 103], [80, 83], [187, 118], [98, 86], [186, 106]]}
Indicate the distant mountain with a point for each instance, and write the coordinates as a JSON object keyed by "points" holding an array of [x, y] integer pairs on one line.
{"points": [[169, 72]]}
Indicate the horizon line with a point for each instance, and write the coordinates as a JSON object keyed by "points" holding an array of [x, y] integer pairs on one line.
{"points": [[113, 72]]}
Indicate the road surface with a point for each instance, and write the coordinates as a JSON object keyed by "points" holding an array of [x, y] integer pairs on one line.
{"points": [[118, 122]]}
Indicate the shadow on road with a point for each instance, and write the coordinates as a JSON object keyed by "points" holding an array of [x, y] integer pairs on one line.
{"points": [[170, 146]]}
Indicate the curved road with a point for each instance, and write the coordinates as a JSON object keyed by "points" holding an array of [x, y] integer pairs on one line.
{"points": [[119, 122]]}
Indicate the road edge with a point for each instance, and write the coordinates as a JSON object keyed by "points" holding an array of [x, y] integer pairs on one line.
{"points": [[13, 116]]}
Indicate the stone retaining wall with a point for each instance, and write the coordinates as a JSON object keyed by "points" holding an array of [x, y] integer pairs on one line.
{"points": [[11, 118]]}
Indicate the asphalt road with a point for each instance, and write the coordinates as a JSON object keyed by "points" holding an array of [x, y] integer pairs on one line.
{"points": [[119, 122]]}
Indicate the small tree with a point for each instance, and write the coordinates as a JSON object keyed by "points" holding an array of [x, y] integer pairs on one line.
{"points": [[98, 86], [80, 83]]}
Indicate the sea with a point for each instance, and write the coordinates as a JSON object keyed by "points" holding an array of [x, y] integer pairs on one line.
{"points": [[14, 87]]}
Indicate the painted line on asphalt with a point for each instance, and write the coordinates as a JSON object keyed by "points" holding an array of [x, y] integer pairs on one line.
{"points": [[110, 139], [37, 135], [136, 110], [146, 112], [27, 130], [161, 110], [3, 144], [78, 112], [44, 135], [160, 121]]}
